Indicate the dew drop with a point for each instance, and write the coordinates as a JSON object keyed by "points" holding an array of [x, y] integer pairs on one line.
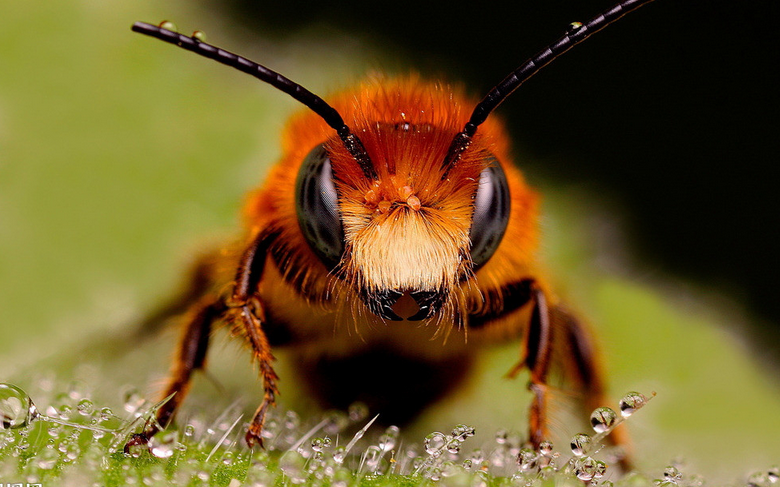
{"points": [[501, 436], [317, 444], [526, 459], [631, 402], [16, 408], [47, 458], [773, 475], [463, 431], [163, 447], [602, 419], [339, 454], [600, 470], [386, 442], [453, 445], [580, 444], [85, 407], [434, 443], [575, 26], [189, 431], [546, 448], [672, 473], [199, 36], [135, 450], [168, 25], [586, 468]]}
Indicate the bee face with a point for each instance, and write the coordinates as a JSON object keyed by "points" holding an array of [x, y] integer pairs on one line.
{"points": [[420, 228]]}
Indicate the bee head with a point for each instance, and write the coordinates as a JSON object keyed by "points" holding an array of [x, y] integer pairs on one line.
{"points": [[415, 227]]}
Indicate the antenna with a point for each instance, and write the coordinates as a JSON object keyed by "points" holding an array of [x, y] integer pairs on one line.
{"points": [[314, 102], [577, 33]]}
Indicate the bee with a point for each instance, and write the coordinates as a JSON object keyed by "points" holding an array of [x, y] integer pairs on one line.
{"points": [[395, 234]]}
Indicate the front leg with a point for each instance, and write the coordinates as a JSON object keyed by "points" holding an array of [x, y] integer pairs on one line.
{"points": [[247, 316], [537, 359]]}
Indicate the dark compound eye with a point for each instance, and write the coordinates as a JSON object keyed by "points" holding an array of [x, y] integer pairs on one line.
{"points": [[316, 203], [491, 214]]}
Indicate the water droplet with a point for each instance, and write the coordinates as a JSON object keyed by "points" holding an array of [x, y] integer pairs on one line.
{"points": [[546, 448], [434, 443], [463, 431], [586, 468], [601, 469], [357, 411], [631, 402], [16, 407], [453, 445], [135, 450], [317, 444], [199, 36], [574, 27], [106, 414], [773, 475], [386, 442], [189, 431], [526, 459], [672, 473], [168, 25], [85, 407], [602, 419], [580, 444], [339, 454], [501, 436], [163, 447], [47, 458]]}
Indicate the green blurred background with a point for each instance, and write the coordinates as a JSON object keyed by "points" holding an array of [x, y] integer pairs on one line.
{"points": [[654, 143]]}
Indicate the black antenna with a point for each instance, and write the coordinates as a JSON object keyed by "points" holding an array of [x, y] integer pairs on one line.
{"points": [[577, 33], [317, 104]]}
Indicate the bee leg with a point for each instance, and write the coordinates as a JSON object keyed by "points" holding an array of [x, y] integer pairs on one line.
{"points": [[585, 367], [248, 317], [537, 359], [190, 356]]}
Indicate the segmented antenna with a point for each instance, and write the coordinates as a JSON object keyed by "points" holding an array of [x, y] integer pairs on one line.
{"points": [[577, 33], [317, 104]]}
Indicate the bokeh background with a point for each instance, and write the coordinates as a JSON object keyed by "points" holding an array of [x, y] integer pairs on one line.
{"points": [[655, 144]]}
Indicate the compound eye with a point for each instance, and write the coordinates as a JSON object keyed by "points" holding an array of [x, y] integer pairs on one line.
{"points": [[491, 214], [316, 204]]}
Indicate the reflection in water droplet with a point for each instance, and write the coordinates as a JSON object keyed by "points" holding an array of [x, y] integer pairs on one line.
{"points": [[580, 444], [16, 407], [602, 419], [631, 402], [586, 468], [199, 36]]}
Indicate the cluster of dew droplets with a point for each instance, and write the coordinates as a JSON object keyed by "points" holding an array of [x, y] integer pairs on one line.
{"points": [[441, 453], [673, 477]]}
